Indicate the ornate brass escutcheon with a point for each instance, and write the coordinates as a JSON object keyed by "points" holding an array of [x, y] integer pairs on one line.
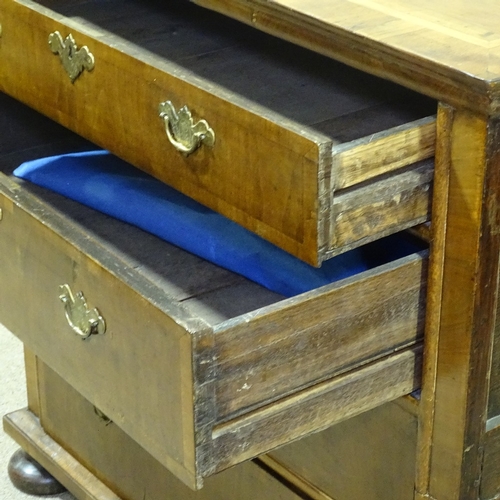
{"points": [[185, 135], [83, 321], [74, 60]]}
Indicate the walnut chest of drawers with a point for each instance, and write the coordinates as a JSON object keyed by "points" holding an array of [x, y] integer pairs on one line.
{"points": [[199, 367]]}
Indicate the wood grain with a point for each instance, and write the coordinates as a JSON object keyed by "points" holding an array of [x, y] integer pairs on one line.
{"points": [[350, 395], [377, 154], [434, 296], [265, 355], [462, 314], [385, 206], [448, 50], [277, 122]]}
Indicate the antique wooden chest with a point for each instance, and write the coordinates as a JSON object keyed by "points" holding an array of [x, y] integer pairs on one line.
{"points": [[199, 369]]}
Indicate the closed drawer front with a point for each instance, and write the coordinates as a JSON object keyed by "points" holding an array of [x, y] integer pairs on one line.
{"points": [[77, 427], [313, 156]]}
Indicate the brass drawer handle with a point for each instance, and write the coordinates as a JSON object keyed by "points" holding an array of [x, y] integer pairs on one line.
{"points": [[185, 135], [83, 321], [73, 59]]}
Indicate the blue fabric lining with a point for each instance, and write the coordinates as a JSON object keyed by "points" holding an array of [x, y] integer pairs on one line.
{"points": [[110, 185]]}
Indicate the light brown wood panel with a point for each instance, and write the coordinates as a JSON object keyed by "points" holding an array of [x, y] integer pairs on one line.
{"points": [[462, 305], [448, 49], [370, 457]]}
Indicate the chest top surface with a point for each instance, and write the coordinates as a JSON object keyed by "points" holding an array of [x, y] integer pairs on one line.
{"points": [[449, 49]]}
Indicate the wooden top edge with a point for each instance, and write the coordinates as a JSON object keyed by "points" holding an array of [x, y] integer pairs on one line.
{"points": [[470, 80]]}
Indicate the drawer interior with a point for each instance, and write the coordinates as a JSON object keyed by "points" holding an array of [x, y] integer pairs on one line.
{"points": [[247, 356], [263, 73]]}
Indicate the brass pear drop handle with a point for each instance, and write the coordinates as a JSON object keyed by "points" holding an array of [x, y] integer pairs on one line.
{"points": [[73, 59], [82, 320], [185, 135]]}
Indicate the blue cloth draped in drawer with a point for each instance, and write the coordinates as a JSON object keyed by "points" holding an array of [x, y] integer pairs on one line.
{"points": [[110, 185]]}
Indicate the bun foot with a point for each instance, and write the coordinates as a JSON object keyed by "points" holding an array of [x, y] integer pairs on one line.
{"points": [[28, 476]]}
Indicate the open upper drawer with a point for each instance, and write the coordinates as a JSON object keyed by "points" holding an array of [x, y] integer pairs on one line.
{"points": [[201, 367], [312, 155]]}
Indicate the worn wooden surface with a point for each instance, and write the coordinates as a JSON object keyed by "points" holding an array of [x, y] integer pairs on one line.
{"points": [[350, 394], [462, 305], [371, 456], [449, 49], [301, 340], [283, 123], [377, 154], [387, 205], [132, 472]]}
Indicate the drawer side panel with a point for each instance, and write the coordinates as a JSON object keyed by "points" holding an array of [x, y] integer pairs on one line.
{"points": [[263, 356], [316, 409]]}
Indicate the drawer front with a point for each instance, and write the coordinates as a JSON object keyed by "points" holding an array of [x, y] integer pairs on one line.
{"points": [[272, 173], [133, 471], [139, 367]]}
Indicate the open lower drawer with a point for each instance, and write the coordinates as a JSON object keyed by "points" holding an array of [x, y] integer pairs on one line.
{"points": [[201, 367], [312, 155]]}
